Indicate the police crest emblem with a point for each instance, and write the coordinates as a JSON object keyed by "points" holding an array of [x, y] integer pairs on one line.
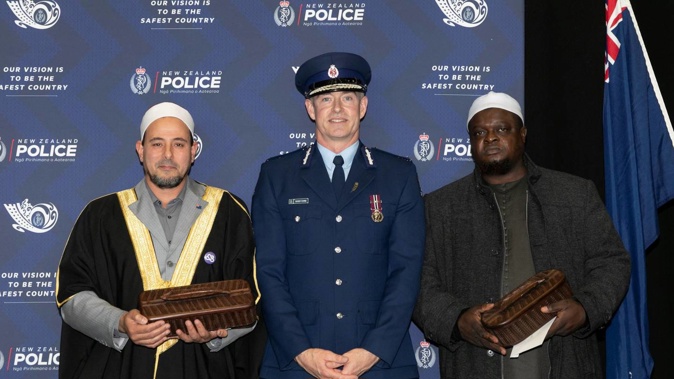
{"points": [[3, 151], [140, 82], [284, 15], [425, 355], [424, 149]]}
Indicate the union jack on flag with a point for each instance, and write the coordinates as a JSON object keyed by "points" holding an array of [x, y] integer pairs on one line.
{"points": [[614, 15], [639, 175]]}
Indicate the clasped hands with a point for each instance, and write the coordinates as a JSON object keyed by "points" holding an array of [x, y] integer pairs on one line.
{"points": [[570, 314], [324, 364], [151, 335]]}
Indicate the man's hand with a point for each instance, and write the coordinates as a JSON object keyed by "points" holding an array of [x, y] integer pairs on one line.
{"points": [[323, 364], [472, 331], [136, 326], [570, 314], [360, 361], [197, 333]]}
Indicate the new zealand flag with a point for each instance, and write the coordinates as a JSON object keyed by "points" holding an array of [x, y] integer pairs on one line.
{"points": [[639, 169]]}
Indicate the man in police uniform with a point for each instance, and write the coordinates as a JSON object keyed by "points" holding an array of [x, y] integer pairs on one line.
{"points": [[340, 237]]}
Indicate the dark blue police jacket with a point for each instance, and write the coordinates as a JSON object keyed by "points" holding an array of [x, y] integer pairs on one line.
{"points": [[332, 273]]}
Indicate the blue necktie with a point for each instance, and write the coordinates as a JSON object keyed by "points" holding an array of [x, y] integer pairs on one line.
{"points": [[338, 175]]}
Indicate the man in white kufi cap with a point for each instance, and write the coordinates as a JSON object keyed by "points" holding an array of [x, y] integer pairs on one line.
{"points": [[167, 231], [495, 100], [494, 229], [166, 109]]}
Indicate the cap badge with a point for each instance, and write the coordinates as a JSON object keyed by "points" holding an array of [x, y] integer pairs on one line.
{"points": [[333, 72]]}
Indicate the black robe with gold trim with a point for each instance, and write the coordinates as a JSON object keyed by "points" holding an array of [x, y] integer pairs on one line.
{"points": [[100, 257]]}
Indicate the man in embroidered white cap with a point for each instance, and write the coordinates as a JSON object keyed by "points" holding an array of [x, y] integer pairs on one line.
{"points": [[167, 231], [490, 231], [339, 231]]}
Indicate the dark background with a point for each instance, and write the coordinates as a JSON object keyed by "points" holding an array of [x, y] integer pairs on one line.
{"points": [[564, 83]]}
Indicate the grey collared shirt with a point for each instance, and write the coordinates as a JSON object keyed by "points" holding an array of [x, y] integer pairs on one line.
{"points": [[168, 216]]}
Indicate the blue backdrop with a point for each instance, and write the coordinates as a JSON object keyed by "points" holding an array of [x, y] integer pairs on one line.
{"points": [[77, 76]]}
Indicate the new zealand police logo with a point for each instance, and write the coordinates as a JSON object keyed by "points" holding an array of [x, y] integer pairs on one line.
{"points": [[38, 218], [140, 82], [469, 13], [284, 15], [425, 355], [36, 14], [3, 151], [424, 149]]}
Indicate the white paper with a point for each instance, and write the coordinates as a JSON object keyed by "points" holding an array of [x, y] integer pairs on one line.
{"points": [[534, 340]]}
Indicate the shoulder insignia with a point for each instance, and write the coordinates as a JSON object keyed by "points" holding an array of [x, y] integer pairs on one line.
{"points": [[307, 155], [368, 155], [296, 151], [380, 151]]}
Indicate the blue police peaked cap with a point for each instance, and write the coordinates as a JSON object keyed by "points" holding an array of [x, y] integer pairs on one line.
{"points": [[331, 72]]}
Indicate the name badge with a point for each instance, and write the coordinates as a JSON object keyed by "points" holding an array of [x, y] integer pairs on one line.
{"points": [[298, 201]]}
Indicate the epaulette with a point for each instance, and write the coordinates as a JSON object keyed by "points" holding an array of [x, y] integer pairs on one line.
{"points": [[298, 150], [379, 151]]}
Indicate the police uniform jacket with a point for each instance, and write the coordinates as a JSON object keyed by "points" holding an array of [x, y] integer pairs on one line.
{"points": [[331, 276]]}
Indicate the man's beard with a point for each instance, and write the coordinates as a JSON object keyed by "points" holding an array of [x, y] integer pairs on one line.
{"points": [[164, 183], [500, 167]]}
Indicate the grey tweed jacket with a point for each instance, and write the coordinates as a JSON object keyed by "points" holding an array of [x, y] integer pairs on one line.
{"points": [[569, 230]]}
